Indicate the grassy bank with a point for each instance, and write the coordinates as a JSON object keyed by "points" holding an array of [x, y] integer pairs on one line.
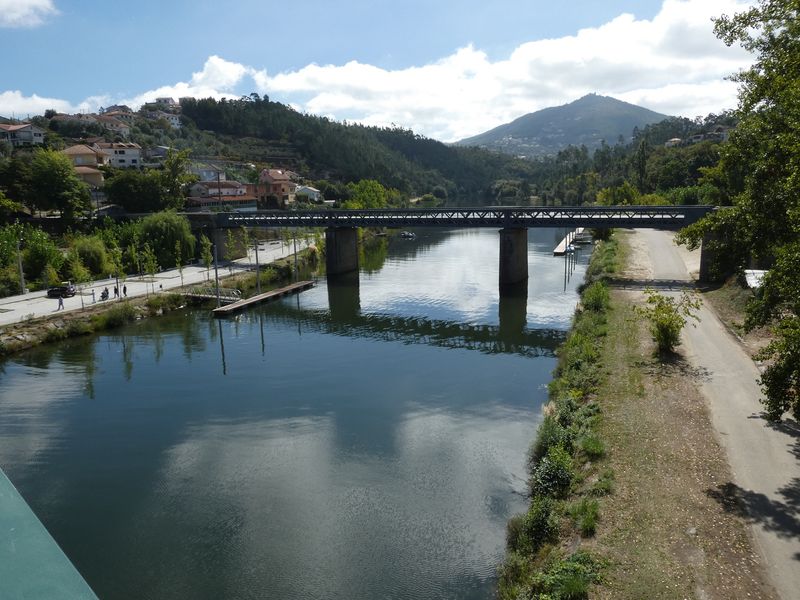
{"points": [[627, 480], [568, 478]]}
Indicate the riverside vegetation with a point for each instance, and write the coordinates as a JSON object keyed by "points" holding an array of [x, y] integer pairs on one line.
{"points": [[567, 478]]}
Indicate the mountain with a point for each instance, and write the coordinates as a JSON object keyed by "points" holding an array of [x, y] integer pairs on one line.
{"points": [[586, 121]]}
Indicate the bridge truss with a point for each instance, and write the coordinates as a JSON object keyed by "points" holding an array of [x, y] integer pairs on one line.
{"points": [[660, 217]]}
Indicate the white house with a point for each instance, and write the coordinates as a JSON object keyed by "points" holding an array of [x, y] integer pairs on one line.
{"points": [[24, 134], [122, 155], [313, 194]]}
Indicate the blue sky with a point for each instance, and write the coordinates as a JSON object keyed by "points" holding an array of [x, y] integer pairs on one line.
{"points": [[405, 62]]}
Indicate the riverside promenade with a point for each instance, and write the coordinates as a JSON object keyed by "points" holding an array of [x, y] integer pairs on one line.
{"points": [[15, 309]]}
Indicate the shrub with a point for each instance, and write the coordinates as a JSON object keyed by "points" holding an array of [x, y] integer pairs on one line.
{"points": [[667, 318], [538, 526], [596, 297], [585, 513], [550, 434], [553, 475], [567, 579], [115, 316]]}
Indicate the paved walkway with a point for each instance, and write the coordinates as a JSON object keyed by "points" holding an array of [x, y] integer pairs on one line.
{"points": [[14, 309], [764, 458]]}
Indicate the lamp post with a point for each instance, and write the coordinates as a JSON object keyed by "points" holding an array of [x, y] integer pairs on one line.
{"points": [[258, 272]]}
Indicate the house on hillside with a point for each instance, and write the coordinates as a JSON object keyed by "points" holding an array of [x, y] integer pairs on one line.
{"points": [[673, 142], [121, 115], [312, 194], [276, 189], [207, 172], [123, 155], [82, 155], [224, 195], [116, 108], [167, 101], [114, 125], [173, 119], [23, 134]]}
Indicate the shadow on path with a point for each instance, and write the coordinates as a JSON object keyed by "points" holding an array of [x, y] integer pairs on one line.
{"points": [[781, 518], [653, 284]]}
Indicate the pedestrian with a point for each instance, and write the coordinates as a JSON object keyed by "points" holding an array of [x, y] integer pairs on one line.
{"points": [[93, 297], [116, 292], [60, 303], [125, 290]]}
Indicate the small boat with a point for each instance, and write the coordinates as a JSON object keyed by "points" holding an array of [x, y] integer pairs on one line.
{"points": [[409, 235]]}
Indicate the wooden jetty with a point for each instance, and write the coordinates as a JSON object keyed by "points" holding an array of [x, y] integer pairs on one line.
{"points": [[265, 297]]}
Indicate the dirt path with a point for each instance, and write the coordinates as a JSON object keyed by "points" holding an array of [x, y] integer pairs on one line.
{"points": [[764, 459]]}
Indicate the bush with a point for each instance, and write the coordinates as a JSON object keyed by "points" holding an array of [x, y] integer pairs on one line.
{"points": [[667, 318], [553, 475], [538, 526], [566, 579], [119, 314], [549, 434], [596, 297]]}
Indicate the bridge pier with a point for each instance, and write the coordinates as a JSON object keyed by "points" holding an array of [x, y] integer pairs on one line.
{"points": [[341, 250], [344, 299], [513, 256]]}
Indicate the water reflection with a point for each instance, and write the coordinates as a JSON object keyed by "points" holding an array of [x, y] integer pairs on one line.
{"points": [[376, 450]]}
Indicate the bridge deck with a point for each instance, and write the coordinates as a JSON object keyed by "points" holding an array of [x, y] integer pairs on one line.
{"points": [[672, 217], [265, 297]]}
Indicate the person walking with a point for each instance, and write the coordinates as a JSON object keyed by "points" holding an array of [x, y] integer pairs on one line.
{"points": [[60, 303], [125, 290], [116, 292], [93, 297]]}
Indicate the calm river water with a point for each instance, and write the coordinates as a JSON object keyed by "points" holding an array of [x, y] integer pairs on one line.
{"points": [[363, 440]]}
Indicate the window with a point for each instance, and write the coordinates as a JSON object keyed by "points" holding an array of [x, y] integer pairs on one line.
{"points": [[121, 160]]}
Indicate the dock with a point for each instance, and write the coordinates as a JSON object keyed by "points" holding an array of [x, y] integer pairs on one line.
{"points": [[578, 236], [265, 297]]}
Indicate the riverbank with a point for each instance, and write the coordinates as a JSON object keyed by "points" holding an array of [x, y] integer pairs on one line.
{"points": [[663, 527], [102, 316]]}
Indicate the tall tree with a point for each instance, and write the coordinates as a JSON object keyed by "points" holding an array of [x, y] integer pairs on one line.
{"points": [[761, 165], [54, 184]]}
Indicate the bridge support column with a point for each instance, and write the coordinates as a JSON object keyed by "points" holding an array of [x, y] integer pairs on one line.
{"points": [[513, 256], [341, 250]]}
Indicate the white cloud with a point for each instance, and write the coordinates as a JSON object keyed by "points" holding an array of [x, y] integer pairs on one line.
{"points": [[25, 13], [672, 63]]}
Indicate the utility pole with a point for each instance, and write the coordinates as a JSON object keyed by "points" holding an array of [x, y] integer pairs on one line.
{"points": [[258, 272], [216, 274]]}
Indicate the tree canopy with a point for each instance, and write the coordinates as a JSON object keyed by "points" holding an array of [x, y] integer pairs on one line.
{"points": [[758, 173]]}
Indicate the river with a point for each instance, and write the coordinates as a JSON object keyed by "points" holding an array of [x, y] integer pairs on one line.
{"points": [[364, 440]]}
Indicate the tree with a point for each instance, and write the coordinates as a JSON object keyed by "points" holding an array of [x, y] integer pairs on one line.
{"points": [[759, 167], [174, 177], [667, 318], [77, 272], [205, 253], [54, 184], [135, 191], [150, 263], [179, 259], [162, 230]]}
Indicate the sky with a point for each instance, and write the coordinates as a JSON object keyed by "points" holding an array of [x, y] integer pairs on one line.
{"points": [[446, 69]]}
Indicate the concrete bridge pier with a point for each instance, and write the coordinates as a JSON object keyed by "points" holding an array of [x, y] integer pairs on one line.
{"points": [[341, 250], [513, 257], [344, 298]]}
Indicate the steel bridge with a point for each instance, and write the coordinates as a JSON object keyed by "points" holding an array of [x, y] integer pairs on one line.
{"points": [[659, 217]]}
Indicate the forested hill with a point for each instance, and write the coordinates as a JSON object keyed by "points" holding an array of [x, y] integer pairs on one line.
{"points": [[326, 149], [587, 121]]}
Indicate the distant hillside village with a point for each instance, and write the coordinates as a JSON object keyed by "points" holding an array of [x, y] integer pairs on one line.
{"points": [[212, 189]]}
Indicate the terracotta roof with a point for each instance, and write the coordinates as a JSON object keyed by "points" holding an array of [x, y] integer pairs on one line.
{"points": [[275, 175], [87, 170], [79, 149], [16, 127], [112, 145]]}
